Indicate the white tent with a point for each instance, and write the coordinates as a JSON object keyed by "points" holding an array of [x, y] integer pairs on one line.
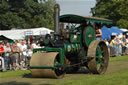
{"points": [[21, 33], [124, 30]]}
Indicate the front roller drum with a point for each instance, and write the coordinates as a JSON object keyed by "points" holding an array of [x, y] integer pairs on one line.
{"points": [[99, 57], [44, 65]]}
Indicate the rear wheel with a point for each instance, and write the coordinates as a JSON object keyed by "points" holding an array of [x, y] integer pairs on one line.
{"points": [[99, 57]]}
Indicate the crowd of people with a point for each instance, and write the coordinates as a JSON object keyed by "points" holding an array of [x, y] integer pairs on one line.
{"points": [[118, 45], [17, 55]]}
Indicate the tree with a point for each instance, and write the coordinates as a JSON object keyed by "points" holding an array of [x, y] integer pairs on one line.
{"points": [[115, 10], [26, 14]]}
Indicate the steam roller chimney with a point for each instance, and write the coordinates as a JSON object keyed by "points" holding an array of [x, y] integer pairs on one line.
{"points": [[56, 19]]}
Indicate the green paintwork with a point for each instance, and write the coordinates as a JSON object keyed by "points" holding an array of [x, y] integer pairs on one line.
{"points": [[71, 18], [75, 48], [89, 31], [41, 67], [98, 54]]}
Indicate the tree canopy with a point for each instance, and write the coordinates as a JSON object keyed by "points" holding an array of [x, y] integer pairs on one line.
{"points": [[115, 10], [26, 14]]}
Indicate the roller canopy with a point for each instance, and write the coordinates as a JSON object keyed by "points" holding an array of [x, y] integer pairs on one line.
{"points": [[71, 18]]}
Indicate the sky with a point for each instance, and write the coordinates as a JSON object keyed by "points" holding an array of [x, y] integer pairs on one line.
{"points": [[80, 7]]}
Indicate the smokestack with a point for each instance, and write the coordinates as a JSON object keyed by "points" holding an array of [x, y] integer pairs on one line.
{"points": [[56, 18]]}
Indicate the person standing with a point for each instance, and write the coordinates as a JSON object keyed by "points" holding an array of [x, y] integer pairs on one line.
{"points": [[124, 45], [29, 55], [7, 50], [23, 50], [117, 45], [1, 58], [34, 44], [18, 43], [98, 32], [106, 41], [15, 54], [120, 46], [113, 45]]}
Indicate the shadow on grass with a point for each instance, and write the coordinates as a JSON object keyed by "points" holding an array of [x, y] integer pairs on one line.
{"points": [[15, 83], [27, 75], [80, 71], [19, 83], [30, 76]]}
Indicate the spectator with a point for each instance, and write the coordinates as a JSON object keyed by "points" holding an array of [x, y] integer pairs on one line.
{"points": [[17, 43], [126, 44], [28, 45], [22, 64], [113, 47], [29, 55], [1, 58], [7, 50], [33, 44], [16, 51], [38, 45], [123, 46], [23, 49], [120, 46], [106, 41], [117, 44]]}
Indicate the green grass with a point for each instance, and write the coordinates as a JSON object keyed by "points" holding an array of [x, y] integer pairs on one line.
{"points": [[119, 58], [120, 78], [14, 73], [114, 78]]}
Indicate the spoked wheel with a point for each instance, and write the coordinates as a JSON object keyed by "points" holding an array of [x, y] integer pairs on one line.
{"points": [[99, 57], [42, 63]]}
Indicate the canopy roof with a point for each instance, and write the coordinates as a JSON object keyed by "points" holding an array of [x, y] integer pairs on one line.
{"points": [[71, 18], [105, 33], [4, 38], [21, 33], [115, 30]]}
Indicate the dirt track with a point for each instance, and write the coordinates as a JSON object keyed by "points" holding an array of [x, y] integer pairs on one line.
{"points": [[27, 80]]}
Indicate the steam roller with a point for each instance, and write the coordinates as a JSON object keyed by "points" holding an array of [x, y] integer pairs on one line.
{"points": [[72, 45]]}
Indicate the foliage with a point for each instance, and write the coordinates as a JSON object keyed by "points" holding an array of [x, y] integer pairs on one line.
{"points": [[115, 10], [26, 14]]}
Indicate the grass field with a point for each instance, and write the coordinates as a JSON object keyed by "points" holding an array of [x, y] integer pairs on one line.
{"points": [[117, 74], [119, 77]]}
